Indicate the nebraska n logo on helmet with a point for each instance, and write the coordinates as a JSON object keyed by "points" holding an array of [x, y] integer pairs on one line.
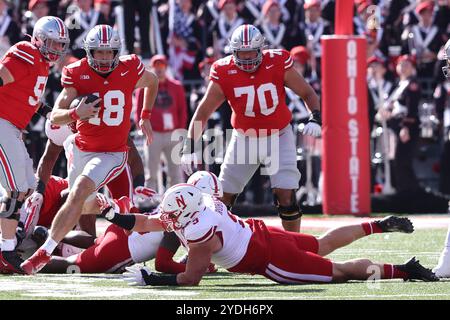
{"points": [[181, 205], [51, 37], [244, 39], [446, 57], [207, 182], [103, 38]]}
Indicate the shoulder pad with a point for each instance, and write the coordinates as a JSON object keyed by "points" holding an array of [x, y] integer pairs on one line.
{"points": [[25, 51]]}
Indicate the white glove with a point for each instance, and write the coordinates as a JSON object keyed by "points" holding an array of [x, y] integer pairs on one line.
{"points": [[144, 193], [133, 275], [314, 125], [312, 129], [188, 161]]}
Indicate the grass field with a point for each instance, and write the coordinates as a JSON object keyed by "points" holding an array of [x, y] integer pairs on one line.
{"points": [[425, 243]]}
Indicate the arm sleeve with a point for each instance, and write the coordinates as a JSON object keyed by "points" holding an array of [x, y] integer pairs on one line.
{"points": [[18, 68], [67, 78], [200, 235]]}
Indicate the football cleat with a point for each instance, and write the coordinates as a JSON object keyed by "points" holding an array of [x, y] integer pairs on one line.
{"points": [[395, 224], [36, 262], [10, 263], [416, 271]]}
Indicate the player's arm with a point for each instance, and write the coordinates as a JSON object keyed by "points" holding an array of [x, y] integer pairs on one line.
{"points": [[5, 76], [148, 81], [294, 81], [62, 114], [133, 222], [199, 259], [46, 165], [136, 165]]}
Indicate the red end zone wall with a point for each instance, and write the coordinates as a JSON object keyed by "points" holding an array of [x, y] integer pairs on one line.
{"points": [[345, 131]]}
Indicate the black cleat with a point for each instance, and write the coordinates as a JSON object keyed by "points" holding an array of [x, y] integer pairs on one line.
{"points": [[416, 271], [10, 262], [395, 224]]}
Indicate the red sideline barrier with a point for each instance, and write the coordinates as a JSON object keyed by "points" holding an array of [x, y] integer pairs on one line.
{"points": [[345, 130]]}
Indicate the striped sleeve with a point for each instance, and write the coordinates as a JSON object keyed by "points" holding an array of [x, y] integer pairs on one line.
{"points": [[201, 237], [213, 75], [288, 62], [23, 55], [140, 68], [67, 78]]}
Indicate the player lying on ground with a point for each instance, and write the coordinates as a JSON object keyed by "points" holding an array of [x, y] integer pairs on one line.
{"points": [[211, 233], [100, 146]]}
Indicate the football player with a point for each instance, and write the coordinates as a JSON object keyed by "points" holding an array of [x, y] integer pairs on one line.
{"points": [[23, 75], [205, 226], [442, 269], [100, 145], [253, 81]]}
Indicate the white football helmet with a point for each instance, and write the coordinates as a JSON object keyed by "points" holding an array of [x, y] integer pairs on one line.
{"points": [[446, 57], [180, 205], [57, 134], [207, 182], [102, 37], [48, 33], [247, 38]]}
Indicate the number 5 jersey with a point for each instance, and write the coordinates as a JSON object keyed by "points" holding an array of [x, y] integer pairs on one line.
{"points": [[108, 131], [19, 100]]}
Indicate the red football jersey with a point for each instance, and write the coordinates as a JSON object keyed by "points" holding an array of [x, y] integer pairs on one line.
{"points": [[258, 99], [108, 132], [19, 99], [52, 200]]}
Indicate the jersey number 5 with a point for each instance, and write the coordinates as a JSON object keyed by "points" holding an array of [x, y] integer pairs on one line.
{"points": [[113, 103], [261, 94], [38, 90]]}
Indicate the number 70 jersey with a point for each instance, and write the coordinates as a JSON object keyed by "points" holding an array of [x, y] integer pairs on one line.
{"points": [[258, 99], [108, 132]]}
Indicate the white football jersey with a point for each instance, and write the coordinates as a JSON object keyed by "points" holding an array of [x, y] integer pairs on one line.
{"points": [[234, 232], [143, 247], [57, 134]]}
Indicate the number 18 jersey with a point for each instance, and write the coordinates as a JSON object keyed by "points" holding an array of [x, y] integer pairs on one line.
{"points": [[258, 99], [108, 132]]}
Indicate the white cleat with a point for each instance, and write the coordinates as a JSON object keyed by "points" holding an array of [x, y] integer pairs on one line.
{"points": [[442, 270]]}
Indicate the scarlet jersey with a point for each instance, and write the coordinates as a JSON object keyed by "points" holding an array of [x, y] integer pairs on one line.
{"points": [[108, 132], [258, 99], [19, 99]]}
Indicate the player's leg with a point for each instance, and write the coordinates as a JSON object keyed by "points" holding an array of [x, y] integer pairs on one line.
{"points": [[109, 254], [239, 165], [442, 269], [16, 170], [174, 170], [97, 170], [281, 164], [365, 269], [343, 236], [122, 185]]}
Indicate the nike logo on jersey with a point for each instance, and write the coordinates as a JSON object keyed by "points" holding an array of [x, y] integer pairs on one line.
{"points": [[268, 67], [124, 73]]}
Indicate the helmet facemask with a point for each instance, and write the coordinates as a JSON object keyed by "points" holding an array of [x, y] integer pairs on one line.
{"points": [[103, 65], [46, 48], [247, 65]]}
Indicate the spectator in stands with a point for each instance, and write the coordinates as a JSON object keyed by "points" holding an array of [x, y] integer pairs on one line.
{"points": [[36, 10], [401, 114], [141, 8], [424, 39], [169, 114], [275, 31], [222, 28], [82, 18], [184, 40], [9, 30], [312, 29], [104, 7]]}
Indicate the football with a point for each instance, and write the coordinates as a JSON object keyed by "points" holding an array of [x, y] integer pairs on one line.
{"points": [[77, 100]]}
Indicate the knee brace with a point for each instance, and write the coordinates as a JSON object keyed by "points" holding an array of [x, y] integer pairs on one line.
{"points": [[290, 212], [12, 206]]}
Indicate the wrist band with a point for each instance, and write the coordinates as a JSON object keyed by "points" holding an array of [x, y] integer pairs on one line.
{"points": [[146, 114], [73, 114]]}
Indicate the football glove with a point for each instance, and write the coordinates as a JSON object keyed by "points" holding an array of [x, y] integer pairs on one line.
{"points": [[314, 125], [134, 275], [144, 193]]}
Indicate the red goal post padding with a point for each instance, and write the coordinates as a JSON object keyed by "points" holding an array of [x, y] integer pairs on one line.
{"points": [[345, 130]]}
